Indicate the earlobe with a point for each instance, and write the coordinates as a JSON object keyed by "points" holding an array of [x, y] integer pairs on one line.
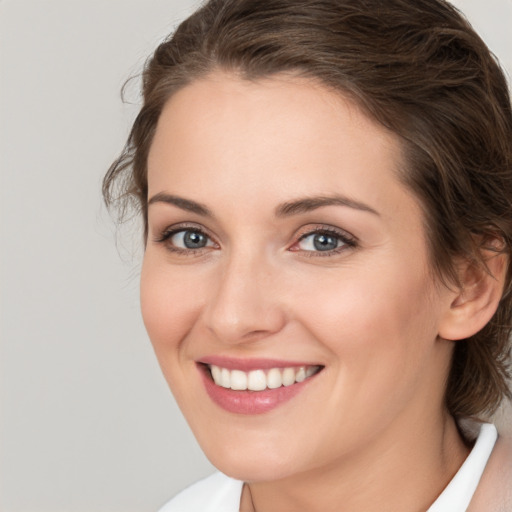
{"points": [[477, 299]]}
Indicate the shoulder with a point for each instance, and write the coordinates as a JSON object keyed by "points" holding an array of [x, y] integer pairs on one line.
{"points": [[216, 493], [494, 492]]}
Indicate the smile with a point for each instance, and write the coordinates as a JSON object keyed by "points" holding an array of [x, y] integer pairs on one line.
{"points": [[254, 386], [259, 380]]}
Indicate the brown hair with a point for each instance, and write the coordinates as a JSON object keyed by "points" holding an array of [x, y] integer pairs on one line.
{"points": [[419, 69]]}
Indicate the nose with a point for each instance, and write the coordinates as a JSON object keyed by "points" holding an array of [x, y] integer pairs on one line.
{"points": [[245, 303]]}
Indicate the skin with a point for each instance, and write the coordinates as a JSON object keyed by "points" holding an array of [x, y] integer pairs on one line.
{"points": [[370, 313]]}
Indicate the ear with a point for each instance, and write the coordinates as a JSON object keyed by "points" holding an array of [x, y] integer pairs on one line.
{"points": [[476, 301]]}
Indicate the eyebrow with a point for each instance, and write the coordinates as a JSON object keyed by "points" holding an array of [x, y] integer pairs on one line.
{"points": [[289, 208], [185, 204], [308, 204]]}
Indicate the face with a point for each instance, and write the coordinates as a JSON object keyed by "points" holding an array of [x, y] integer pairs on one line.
{"points": [[284, 255]]}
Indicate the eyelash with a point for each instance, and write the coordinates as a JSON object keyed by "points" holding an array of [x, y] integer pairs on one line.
{"points": [[169, 233], [347, 240]]}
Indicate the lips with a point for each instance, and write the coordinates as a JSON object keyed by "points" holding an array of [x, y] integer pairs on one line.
{"points": [[254, 386]]}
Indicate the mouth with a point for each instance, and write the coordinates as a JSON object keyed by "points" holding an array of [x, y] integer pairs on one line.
{"points": [[254, 387], [260, 379]]}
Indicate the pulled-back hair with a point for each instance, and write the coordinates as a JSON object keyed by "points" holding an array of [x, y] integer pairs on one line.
{"points": [[417, 68]]}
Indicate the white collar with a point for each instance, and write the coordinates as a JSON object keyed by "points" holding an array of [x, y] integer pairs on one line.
{"points": [[462, 487]]}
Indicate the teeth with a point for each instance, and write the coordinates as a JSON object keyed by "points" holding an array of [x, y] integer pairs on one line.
{"points": [[274, 378], [225, 378], [300, 375], [216, 373], [258, 380], [288, 376], [238, 380]]}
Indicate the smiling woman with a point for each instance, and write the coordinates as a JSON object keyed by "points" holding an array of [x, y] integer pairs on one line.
{"points": [[326, 188]]}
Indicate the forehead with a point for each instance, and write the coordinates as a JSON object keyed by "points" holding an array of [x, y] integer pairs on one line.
{"points": [[229, 138]]}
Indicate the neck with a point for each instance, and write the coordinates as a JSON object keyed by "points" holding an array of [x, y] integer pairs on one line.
{"points": [[399, 473]]}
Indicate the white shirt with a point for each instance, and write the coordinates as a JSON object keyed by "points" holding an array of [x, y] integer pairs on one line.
{"points": [[219, 493]]}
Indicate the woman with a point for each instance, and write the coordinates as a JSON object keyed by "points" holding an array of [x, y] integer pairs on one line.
{"points": [[326, 188]]}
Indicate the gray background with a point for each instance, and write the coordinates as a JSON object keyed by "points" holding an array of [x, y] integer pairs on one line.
{"points": [[87, 423]]}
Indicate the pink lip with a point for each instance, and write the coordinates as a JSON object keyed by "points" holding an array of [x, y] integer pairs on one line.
{"points": [[246, 365], [250, 402]]}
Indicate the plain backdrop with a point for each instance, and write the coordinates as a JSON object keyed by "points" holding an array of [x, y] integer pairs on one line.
{"points": [[87, 421]]}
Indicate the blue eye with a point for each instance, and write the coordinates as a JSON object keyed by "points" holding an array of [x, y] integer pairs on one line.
{"points": [[186, 240], [320, 242], [324, 241]]}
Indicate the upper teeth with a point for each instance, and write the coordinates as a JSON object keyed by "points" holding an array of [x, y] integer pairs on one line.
{"points": [[258, 380]]}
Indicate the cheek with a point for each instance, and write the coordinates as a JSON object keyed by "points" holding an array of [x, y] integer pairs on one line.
{"points": [[169, 304], [372, 320], [381, 338]]}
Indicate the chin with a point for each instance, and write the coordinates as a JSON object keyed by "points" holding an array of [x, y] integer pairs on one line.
{"points": [[249, 471], [257, 465]]}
